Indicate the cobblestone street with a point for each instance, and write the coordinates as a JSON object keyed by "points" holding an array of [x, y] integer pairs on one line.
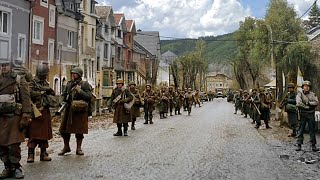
{"points": [[212, 143]]}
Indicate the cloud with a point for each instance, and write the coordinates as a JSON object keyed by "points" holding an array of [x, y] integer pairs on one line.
{"points": [[301, 6], [187, 18]]}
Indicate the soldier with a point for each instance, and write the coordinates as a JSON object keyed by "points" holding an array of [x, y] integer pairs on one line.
{"points": [[185, 108], [255, 104], [246, 103], [149, 99], [265, 105], [172, 99], [237, 102], [197, 98], [77, 97], [15, 115], [135, 110], [307, 101], [289, 105], [180, 100], [163, 102], [189, 98], [40, 130], [122, 115]]}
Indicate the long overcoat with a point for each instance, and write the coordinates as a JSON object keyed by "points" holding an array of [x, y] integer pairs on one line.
{"points": [[135, 110], [121, 114], [10, 132], [75, 121]]}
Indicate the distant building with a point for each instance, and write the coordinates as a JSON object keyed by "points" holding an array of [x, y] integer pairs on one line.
{"points": [[164, 75], [14, 30], [217, 82], [151, 41]]}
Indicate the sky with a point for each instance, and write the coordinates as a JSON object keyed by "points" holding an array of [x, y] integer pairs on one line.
{"points": [[194, 18]]}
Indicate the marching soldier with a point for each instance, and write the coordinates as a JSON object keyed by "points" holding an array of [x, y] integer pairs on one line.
{"points": [[172, 99], [135, 110], [255, 104], [265, 105], [246, 103], [180, 100], [163, 102], [15, 115], [197, 99], [149, 99], [40, 130], [122, 115], [189, 98], [307, 101], [237, 102], [289, 105], [77, 97], [185, 108]]}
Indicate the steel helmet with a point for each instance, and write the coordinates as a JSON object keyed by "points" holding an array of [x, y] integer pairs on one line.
{"points": [[132, 83], [120, 81], [308, 83], [42, 70], [291, 85], [77, 70]]}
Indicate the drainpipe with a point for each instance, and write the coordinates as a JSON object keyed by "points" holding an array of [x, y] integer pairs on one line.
{"points": [[30, 37]]}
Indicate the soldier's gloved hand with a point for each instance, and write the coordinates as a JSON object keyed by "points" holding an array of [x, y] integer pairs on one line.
{"points": [[78, 88], [25, 121]]}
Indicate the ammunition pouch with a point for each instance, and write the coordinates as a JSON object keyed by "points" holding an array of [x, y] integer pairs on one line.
{"points": [[8, 104], [79, 105]]}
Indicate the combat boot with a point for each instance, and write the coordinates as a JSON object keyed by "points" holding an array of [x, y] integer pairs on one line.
{"points": [[132, 125], [79, 150], [145, 121], [151, 122], [314, 148], [119, 133], [267, 126], [125, 130], [299, 147], [44, 156], [18, 173], [7, 172], [66, 148], [30, 155]]}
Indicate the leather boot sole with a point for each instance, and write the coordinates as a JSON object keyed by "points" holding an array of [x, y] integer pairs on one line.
{"points": [[79, 152], [64, 151]]}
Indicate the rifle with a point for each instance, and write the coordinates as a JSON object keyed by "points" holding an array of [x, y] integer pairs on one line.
{"points": [[255, 106]]}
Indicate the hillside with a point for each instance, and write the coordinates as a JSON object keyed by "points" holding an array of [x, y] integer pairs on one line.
{"points": [[220, 50]]}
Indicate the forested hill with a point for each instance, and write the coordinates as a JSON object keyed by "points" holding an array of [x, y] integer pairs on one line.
{"points": [[220, 49]]}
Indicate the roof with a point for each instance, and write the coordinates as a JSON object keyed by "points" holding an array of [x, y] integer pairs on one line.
{"points": [[213, 74], [313, 33], [103, 11], [129, 24], [139, 48], [271, 84], [118, 17], [150, 40]]}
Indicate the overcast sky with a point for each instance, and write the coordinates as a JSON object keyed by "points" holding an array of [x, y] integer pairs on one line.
{"points": [[194, 18]]}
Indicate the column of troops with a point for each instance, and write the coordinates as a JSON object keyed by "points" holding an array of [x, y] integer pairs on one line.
{"points": [[300, 107]]}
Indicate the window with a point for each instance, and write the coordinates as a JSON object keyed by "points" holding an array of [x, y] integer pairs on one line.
{"points": [[52, 16], [44, 3], [4, 22], [130, 76], [105, 78], [50, 50], [119, 75], [105, 51], [71, 6], [37, 36], [92, 9], [21, 46], [98, 63], [106, 28], [93, 37], [59, 52], [70, 39], [119, 33]]}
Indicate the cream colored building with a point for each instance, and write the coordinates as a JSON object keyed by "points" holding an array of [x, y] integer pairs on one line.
{"points": [[87, 41], [217, 81]]}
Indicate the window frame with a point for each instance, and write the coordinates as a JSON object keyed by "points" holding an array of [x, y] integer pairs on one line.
{"points": [[40, 20], [105, 50], [2, 22], [52, 18], [44, 4], [24, 48], [50, 52], [70, 34]]}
